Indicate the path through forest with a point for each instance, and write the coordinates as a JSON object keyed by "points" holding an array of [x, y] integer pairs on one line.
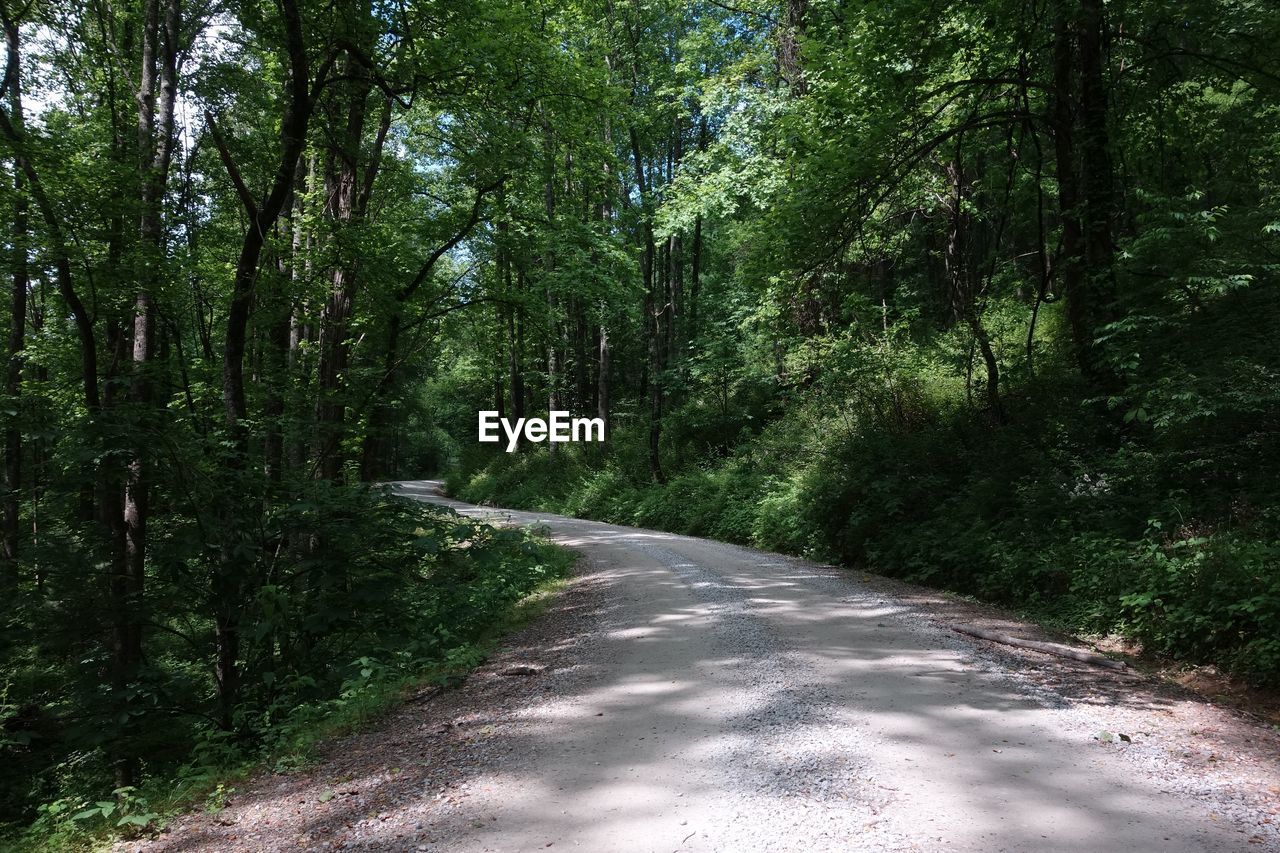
{"points": [[684, 694]]}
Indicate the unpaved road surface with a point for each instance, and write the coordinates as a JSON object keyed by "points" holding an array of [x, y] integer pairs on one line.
{"points": [[686, 695]]}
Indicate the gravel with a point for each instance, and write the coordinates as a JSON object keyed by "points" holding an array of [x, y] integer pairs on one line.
{"points": [[683, 694]]}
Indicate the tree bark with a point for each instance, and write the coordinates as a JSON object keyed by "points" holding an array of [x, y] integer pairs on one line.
{"points": [[345, 208], [549, 268], [515, 348], [602, 391], [157, 97], [961, 282], [512, 309], [229, 585], [581, 363], [602, 379], [1037, 645], [790, 36], [9, 577], [1070, 266], [652, 326], [282, 339], [695, 262], [1097, 175], [1085, 194], [293, 130]]}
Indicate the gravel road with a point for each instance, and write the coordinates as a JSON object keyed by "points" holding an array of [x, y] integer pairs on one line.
{"points": [[687, 695]]}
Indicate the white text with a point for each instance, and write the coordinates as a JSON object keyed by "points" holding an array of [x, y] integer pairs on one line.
{"points": [[560, 427]]}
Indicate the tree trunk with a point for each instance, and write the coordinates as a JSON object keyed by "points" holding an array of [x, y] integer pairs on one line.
{"points": [[228, 585], [961, 285], [293, 131], [602, 380], [157, 98], [582, 384], [373, 454], [549, 268], [9, 576], [695, 280], [675, 260], [602, 349], [345, 208], [1084, 176], [519, 391], [790, 35], [515, 371], [1097, 178], [652, 327], [1070, 266]]}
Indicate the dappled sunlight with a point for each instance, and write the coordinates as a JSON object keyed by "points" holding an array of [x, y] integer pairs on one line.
{"points": [[717, 690]]}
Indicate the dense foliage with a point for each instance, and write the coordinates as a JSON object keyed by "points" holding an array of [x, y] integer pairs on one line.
{"points": [[402, 595], [977, 294], [232, 233]]}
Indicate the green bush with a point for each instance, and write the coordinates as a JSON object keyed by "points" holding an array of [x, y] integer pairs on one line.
{"points": [[1051, 511], [396, 592]]}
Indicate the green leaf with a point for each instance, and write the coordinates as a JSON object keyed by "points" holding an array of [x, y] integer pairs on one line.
{"points": [[136, 819]]}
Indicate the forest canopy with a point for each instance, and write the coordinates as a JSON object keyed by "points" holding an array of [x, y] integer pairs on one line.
{"points": [[973, 294]]}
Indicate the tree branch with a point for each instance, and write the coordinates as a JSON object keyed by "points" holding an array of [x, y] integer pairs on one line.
{"points": [[62, 262], [425, 270], [242, 190]]}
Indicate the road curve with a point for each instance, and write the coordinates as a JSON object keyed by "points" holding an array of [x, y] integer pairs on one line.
{"points": [[752, 702], [687, 695]]}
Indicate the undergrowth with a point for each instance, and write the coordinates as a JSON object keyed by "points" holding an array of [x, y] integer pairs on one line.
{"points": [[1069, 514], [468, 585]]}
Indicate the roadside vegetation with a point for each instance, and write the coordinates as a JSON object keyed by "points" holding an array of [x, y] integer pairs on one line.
{"points": [[983, 298], [980, 294], [421, 596], [1166, 533]]}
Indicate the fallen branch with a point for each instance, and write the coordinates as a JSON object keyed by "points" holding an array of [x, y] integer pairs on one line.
{"points": [[1039, 646]]}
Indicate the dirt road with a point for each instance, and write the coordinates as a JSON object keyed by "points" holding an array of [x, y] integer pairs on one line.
{"points": [[689, 695]]}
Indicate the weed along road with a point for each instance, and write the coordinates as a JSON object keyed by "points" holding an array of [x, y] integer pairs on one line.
{"points": [[682, 694]]}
